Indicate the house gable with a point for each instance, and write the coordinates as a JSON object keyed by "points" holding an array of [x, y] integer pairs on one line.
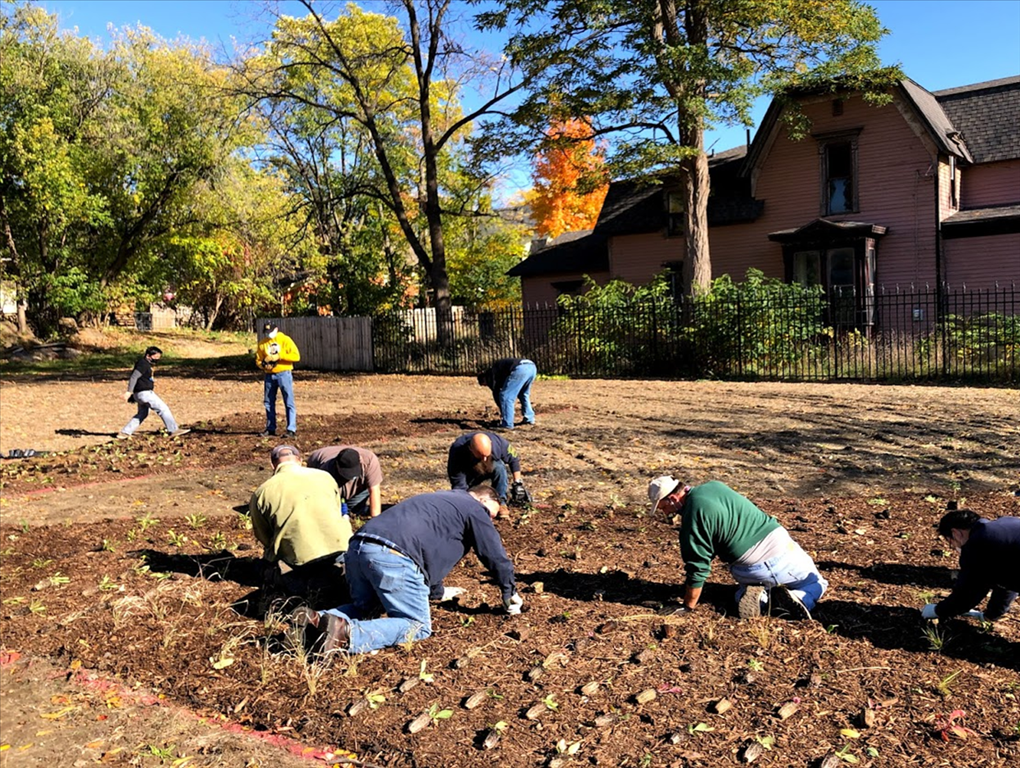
{"points": [[906, 172]]}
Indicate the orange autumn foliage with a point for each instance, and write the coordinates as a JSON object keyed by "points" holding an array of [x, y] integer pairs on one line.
{"points": [[557, 206]]}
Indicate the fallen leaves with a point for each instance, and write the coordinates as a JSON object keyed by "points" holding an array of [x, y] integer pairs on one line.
{"points": [[59, 713]]}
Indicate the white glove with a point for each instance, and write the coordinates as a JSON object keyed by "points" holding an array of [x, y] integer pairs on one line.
{"points": [[979, 615], [449, 593], [514, 604], [928, 612]]}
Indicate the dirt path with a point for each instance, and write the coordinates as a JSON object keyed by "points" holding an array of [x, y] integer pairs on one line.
{"points": [[595, 440]]}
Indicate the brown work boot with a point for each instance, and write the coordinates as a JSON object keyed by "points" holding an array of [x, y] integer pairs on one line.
{"points": [[304, 631]]}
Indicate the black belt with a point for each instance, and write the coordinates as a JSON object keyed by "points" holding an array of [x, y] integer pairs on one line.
{"points": [[389, 545]]}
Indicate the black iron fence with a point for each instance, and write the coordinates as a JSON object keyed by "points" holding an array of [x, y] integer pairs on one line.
{"points": [[901, 335]]}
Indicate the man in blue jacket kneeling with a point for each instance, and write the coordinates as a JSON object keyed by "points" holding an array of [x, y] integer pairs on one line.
{"points": [[989, 553], [397, 562]]}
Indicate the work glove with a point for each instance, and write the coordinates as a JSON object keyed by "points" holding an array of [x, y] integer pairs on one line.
{"points": [[928, 612], [451, 593], [674, 610], [514, 604], [519, 495]]}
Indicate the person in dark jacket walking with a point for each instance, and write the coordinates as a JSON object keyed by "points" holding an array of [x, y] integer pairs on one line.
{"points": [[397, 561], [485, 457], [989, 556], [140, 390], [510, 379]]}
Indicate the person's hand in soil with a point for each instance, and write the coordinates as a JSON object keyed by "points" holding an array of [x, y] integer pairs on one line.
{"points": [[519, 495], [514, 604], [451, 593]]}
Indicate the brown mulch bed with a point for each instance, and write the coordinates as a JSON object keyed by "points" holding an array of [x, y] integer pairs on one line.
{"points": [[150, 602]]}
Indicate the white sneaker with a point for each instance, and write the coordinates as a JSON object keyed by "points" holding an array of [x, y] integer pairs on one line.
{"points": [[749, 605], [179, 432], [123, 436]]}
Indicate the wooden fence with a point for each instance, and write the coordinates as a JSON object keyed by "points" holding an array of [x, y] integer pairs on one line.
{"points": [[329, 343]]}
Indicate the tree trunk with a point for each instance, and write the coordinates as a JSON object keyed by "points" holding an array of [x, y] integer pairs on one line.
{"points": [[22, 316], [697, 270], [438, 276], [215, 312], [685, 87]]}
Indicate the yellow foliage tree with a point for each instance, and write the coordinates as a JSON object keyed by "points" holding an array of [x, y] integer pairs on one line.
{"points": [[569, 180]]}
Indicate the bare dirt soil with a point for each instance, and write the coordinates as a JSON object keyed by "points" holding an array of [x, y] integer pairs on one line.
{"points": [[126, 563]]}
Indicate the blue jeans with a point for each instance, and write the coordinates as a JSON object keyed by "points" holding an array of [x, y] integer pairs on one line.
{"points": [[792, 568], [498, 478], [358, 503], [383, 581], [517, 387], [284, 382], [149, 400]]}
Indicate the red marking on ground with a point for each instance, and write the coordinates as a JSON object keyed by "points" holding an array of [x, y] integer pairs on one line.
{"points": [[8, 657], [91, 680]]}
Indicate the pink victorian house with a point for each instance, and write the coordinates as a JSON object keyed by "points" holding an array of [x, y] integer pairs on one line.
{"points": [[922, 191]]}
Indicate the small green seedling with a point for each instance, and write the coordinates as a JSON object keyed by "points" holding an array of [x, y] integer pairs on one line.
{"points": [[438, 714]]}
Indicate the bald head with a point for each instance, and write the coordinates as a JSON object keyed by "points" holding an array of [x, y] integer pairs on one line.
{"points": [[481, 446]]}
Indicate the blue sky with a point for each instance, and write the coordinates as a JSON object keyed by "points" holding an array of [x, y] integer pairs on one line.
{"points": [[939, 43]]}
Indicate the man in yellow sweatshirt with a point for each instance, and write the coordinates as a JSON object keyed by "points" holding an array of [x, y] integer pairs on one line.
{"points": [[275, 357]]}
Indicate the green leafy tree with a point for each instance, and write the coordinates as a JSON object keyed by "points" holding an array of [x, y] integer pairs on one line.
{"points": [[50, 86], [168, 126], [336, 188], [251, 241], [657, 73], [482, 251], [102, 155], [399, 83]]}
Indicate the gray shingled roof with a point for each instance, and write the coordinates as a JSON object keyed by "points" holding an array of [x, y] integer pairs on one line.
{"points": [[939, 124], [581, 255], [988, 117]]}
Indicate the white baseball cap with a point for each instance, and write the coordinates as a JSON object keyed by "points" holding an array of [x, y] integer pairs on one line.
{"points": [[660, 488]]}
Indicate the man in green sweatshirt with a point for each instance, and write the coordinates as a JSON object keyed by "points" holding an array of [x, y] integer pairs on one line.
{"points": [[771, 569]]}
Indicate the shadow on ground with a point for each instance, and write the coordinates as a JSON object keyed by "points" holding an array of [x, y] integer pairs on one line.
{"points": [[618, 587], [216, 566], [898, 627], [897, 573]]}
